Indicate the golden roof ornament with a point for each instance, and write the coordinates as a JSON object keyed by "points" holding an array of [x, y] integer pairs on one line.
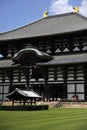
{"points": [[75, 9], [45, 14]]}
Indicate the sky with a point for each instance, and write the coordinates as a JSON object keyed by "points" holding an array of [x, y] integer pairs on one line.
{"points": [[17, 13]]}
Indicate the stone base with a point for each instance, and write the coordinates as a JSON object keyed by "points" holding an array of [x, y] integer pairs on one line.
{"points": [[74, 104]]}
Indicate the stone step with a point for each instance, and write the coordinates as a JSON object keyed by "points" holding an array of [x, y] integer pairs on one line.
{"points": [[74, 104]]}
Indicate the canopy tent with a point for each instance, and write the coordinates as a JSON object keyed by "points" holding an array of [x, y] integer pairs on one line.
{"points": [[23, 95]]}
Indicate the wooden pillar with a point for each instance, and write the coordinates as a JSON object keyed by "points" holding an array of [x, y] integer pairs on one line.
{"points": [[75, 75], [20, 101], [46, 86], [85, 77], [35, 101], [31, 101], [10, 75], [65, 81], [24, 101], [26, 72], [13, 102]]}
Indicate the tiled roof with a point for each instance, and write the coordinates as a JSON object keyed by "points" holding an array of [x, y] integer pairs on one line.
{"points": [[7, 64], [57, 24], [66, 59], [24, 93]]}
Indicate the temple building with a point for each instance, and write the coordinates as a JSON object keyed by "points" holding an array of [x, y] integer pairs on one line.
{"points": [[48, 56]]}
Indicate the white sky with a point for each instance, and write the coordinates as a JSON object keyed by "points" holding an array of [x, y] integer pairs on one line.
{"points": [[63, 6]]}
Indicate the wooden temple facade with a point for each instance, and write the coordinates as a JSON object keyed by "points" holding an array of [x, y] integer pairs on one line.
{"points": [[48, 56]]}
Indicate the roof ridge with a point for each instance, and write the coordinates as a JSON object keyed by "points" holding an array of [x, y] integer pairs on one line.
{"points": [[67, 14], [61, 15]]}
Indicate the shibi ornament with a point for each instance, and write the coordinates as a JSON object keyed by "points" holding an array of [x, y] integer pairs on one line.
{"points": [[75, 9], [45, 14]]}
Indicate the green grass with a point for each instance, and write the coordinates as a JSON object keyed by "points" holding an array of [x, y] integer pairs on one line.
{"points": [[52, 119]]}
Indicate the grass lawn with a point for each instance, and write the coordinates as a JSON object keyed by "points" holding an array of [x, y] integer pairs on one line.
{"points": [[52, 119]]}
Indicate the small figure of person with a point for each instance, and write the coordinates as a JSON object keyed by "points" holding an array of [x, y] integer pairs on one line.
{"points": [[59, 102]]}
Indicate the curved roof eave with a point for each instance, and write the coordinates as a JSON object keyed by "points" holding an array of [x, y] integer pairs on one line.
{"points": [[38, 53], [55, 34]]}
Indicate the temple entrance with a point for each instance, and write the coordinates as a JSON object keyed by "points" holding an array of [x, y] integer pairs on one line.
{"points": [[53, 92], [57, 91]]}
